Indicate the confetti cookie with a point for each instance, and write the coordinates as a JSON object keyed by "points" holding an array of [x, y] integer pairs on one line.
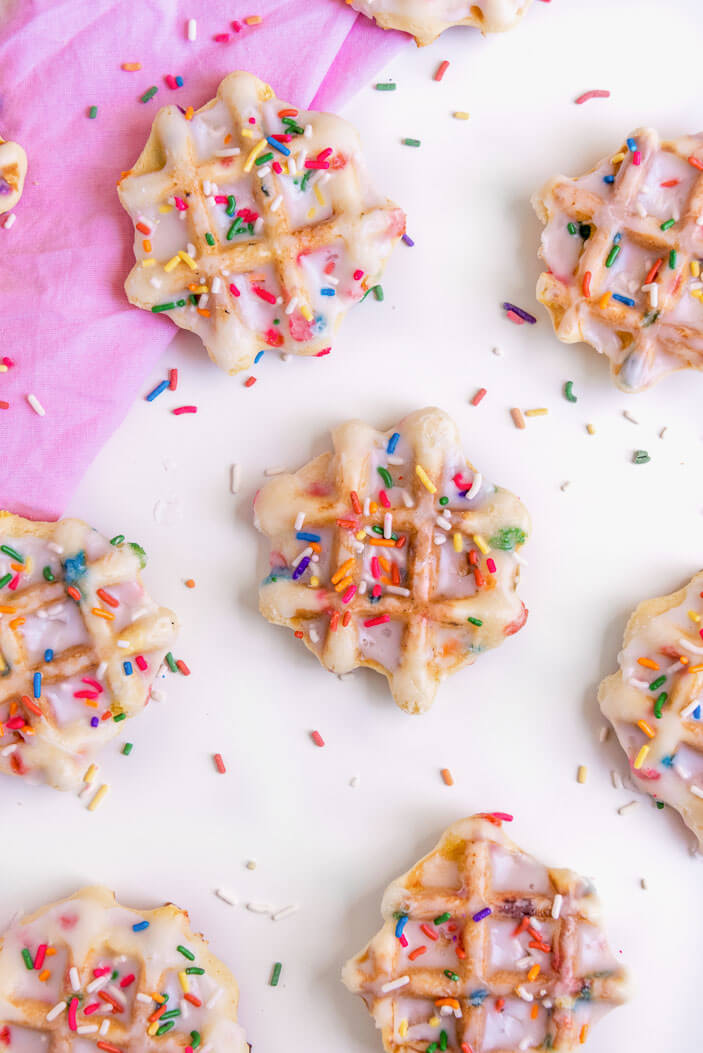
{"points": [[393, 552], [256, 225], [623, 247], [654, 702], [426, 19], [13, 169], [484, 949], [88, 975], [80, 644]]}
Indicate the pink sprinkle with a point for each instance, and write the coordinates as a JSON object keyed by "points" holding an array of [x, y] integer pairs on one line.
{"points": [[637, 157], [172, 379], [403, 941], [597, 94], [141, 662], [358, 275], [383, 498], [220, 764], [180, 204], [317, 738], [514, 318], [73, 1006], [325, 351], [376, 591], [127, 980], [234, 290], [90, 1009], [700, 633], [184, 409], [171, 81], [276, 167], [221, 38], [380, 620], [9, 362], [40, 956], [103, 971], [375, 567], [220, 199], [316, 164], [441, 70], [93, 683], [14, 583], [491, 564], [480, 394], [349, 594], [264, 294], [85, 694], [236, 26], [324, 154]]}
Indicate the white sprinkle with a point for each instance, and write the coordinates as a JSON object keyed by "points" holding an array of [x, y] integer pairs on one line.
{"points": [[229, 152], [292, 304], [690, 647], [227, 897], [8, 750], [57, 1011], [277, 470], [696, 791], [101, 670], [276, 203], [387, 525], [522, 993], [36, 405], [308, 131], [519, 559], [105, 1026], [643, 883], [690, 708], [397, 590], [191, 250], [615, 779], [301, 556], [86, 1029], [627, 807], [123, 643], [292, 167], [362, 588], [258, 227], [144, 998], [556, 905], [565, 486], [74, 978], [314, 636], [407, 499], [215, 999], [640, 210], [393, 458], [634, 682], [10, 221], [439, 539], [475, 485], [285, 912], [202, 302], [259, 908], [441, 522], [354, 781], [394, 985], [264, 171], [216, 284], [96, 984], [235, 478], [299, 520], [192, 29], [117, 994]]}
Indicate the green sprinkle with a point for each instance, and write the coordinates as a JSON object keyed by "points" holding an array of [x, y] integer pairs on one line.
{"points": [[571, 227], [180, 303], [668, 223], [431, 1048], [117, 539], [195, 1038], [444, 500], [659, 705], [672, 259], [139, 552], [194, 970], [119, 717], [475, 621], [209, 238], [387, 86], [451, 975], [159, 307], [12, 553], [656, 684], [235, 228], [569, 391], [171, 662], [508, 538], [640, 457], [649, 318], [186, 953], [5, 580], [231, 205], [193, 299], [149, 94], [93, 112], [411, 142], [660, 804], [386, 476], [27, 958], [378, 292], [127, 748], [612, 255], [172, 1013], [48, 574], [443, 1040], [165, 1027], [275, 974], [264, 159], [440, 920], [305, 179]]}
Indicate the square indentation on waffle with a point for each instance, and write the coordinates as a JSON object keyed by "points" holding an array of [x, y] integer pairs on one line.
{"points": [[655, 700], [624, 249], [484, 949], [394, 553], [256, 225], [80, 644]]}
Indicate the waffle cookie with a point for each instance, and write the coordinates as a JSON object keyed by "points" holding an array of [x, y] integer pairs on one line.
{"points": [[13, 169], [256, 226], [484, 950], [86, 975], [393, 552], [426, 19], [623, 247], [80, 644], [654, 701]]}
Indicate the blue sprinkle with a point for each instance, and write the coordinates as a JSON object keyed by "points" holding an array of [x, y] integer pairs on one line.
{"points": [[127, 666], [617, 239], [301, 568], [140, 926], [408, 240], [624, 299], [697, 713], [609, 179], [303, 535], [155, 392], [277, 146], [259, 356], [400, 925], [94, 721], [393, 442], [669, 761], [632, 145], [48, 655], [74, 568], [37, 685], [327, 292], [478, 997], [179, 81]]}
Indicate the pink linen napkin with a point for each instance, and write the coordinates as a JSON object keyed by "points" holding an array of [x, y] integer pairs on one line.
{"points": [[76, 344]]}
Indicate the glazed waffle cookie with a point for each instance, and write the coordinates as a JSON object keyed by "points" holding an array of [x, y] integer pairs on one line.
{"points": [[86, 975], [13, 169], [426, 19], [484, 949], [80, 644], [623, 247], [393, 552], [654, 701], [256, 225]]}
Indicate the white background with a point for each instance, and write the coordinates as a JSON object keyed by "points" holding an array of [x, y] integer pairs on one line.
{"points": [[514, 727]]}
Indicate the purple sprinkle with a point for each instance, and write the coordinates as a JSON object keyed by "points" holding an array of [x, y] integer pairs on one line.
{"points": [[482, 914], [301, 568], [94, 721], [525, 315], [5, 187], [408, 240]]}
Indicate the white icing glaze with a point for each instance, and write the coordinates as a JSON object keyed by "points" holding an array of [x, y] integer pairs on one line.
{"points": [[13, 169], [426, 19]]}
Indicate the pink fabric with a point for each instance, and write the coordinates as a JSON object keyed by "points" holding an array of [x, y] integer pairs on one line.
{"points": [[76, 342]]}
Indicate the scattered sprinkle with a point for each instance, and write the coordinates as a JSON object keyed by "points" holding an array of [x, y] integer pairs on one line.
{"points": [[441, 70], [480, 394], [628, 416], [93, 112], [569, 391], [184, 409], [235, 476], [386, 86], [460, 115], [227, 897], [447, 777], [518, 419], [149, 94], [220, 764], [625, 808], [411, 142], [596, 93], [36, 405], [582, 773], [275, 974], [127, 749], [99, 797], [640, 457], [317, 738], [524, 315]]}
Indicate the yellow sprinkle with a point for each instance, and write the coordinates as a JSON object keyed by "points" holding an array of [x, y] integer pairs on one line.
{"points": [[480, 543], [151, 262], [165, 208], [90, 774], [425, 479], [253, 154], [644, 726], [698, 294], [318, 195], [360, 535], [188, 259], [314, 582], [695, 268], [617, 159], [590, 428], [403, 1028], [534, 972], [306, 312], [99, 797], [582, 773], [172, 264], [255, 20], [3, 369], [461, 115], [458, 542], [536, 412], [184, 982], [694, 616], [198, 288], [641, 757], [311, 212], [433, 1021], [159, 998], [605, 300], [153, 1028]]}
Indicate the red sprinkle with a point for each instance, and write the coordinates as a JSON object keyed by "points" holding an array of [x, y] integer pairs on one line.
{"points": [[234, 290], [480, 394], [220, 764], [317, 738], [249, 381], [358, 275], [4, 405], [172, 379], [127, 980], [183, 667], [40, 956], [108, 599], [696, 163], [325, 351], [264, 294], [184, 409], [441, 70], [74, 593], [597, 94], [379, 620]]}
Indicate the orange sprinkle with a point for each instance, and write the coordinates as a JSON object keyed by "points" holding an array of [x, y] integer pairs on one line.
{"points": [[146, 245], [131, 67], [189, 113], [50, 952], [500, 1005], [584, 1034], [382, 542], [31, 705], [203, 311], [604, 300], [193, 1000], [644, 726], [416, 953], [518, 419], [157, 1013], [18, 567], [4, 609], [534, 972], [99, 612], [45, 975], [253, 20], [451, 1002], [143, 229], [586, 286], [648, 663], [447, 777], [534, 1011], [228, 139], [353, 496], [334, 621], [73, 593], [189, 583], [299, 634], [290, 112], [16, 622], [346, 618], [696, 669]]}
